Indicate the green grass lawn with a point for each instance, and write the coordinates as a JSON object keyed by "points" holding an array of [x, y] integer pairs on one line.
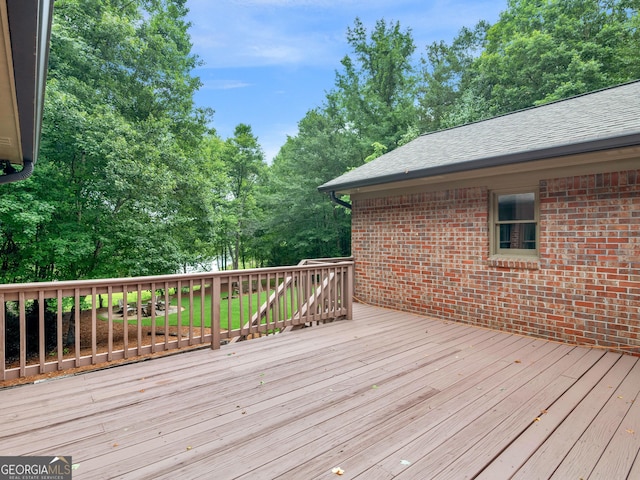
{"points": [[224, 311], [236, 321]]}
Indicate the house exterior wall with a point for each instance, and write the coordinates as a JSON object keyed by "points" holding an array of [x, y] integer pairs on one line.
{"points": [[429, 253]]}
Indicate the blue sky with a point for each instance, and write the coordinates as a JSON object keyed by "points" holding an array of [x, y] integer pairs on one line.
{"points": [[267, 62]]}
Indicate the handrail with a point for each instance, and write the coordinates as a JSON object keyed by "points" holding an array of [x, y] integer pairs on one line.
{"points": [[316, 261], [52, 326]]}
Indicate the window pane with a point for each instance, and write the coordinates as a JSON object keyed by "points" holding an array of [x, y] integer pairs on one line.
{"points": [[518, 235], [517, 206]]}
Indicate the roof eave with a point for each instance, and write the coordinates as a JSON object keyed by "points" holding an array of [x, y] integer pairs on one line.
{"points": [[600, 144], [30, 26]]}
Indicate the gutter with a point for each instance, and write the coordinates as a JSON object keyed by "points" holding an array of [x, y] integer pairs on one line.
{"points": [[609, 143], [337, 201], [30, 28], [15, 176]]}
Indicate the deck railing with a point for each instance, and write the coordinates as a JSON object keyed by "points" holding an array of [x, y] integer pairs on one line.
{"points": [[47, 327]]}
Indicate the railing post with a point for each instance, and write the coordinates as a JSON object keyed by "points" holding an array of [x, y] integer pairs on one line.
{"points": [[109, 320], [76, 324], [2, 339], [191, 296], [179, 312], [125, 322], [41, 332], [349, 291], [23, 333], [203, 298], [215, 313], [59, 346], [94, 326]]}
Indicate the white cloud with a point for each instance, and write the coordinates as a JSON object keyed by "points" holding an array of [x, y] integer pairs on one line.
{"points": [[276, 54], [225, 84], [254, 33]]}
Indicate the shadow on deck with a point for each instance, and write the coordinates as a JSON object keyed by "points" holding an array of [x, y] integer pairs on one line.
{"points": [[386, 395]]}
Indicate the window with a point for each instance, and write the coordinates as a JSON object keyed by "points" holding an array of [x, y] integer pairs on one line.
{"points": [[514, 223]]}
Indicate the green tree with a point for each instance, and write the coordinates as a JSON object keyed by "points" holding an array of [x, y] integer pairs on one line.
{"points": [[22, 215], [371, 109], [302, 222], [375, 92], [446, 77], [244, 165], [543, 51], [120, 165], [537, 52]]}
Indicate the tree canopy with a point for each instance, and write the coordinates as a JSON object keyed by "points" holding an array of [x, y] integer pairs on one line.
{"points": [[121, 164], [535, 53]]}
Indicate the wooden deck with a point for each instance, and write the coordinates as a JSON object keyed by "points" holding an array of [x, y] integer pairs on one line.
{"points": [[386, 395]]}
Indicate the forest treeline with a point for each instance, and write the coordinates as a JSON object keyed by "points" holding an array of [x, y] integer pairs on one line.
{"points": [[132, 180]]}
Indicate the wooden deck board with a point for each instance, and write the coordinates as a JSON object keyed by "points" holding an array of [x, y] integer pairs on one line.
{"points": [[376, 443], [340, 379], [335, 434], [272, 412], [386, 395], [587, 451], [505, 423], [304, 379], [623, 449], [554, 450], [163, 381], [521, 449], [440, 446]]}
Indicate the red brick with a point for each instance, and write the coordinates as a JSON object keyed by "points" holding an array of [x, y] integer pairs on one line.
{"points": [[428, 253]]}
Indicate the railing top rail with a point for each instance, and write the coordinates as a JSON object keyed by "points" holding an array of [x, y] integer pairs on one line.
{"points": [[158, 279], [315, 261]]}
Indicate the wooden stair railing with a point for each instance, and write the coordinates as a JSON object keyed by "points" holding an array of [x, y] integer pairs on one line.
{"points": [[313, 299], [268, 305], [303, 309]]}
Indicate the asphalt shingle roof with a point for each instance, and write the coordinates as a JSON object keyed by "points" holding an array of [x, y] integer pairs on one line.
{"points": [[596, 121]]}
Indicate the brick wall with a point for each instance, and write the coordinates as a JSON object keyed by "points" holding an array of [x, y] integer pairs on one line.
{"points": [[429, 253]]}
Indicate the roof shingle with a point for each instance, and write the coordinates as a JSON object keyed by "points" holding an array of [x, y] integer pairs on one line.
{"points": [[600, 120]]}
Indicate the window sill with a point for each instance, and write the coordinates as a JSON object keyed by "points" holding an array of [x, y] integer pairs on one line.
{"points": [[521, 263]]}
